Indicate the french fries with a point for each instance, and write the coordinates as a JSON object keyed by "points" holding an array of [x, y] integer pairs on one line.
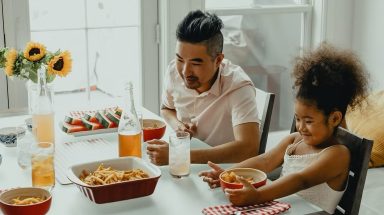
{"points": [[102, 175], [27, 200], [230, 177]]}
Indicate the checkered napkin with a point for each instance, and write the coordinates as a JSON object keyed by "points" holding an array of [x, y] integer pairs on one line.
{"points": [[267, 208]]}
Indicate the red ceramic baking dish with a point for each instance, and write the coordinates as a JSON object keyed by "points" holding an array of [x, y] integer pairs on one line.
{"points": [[120, 190]]}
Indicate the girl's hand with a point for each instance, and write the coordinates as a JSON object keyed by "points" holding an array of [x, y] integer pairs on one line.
{"points": [[248, 195], [212, 176]]}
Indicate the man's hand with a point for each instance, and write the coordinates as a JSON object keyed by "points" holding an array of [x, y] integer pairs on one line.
{"points": [[158, 151], [189, 127], [212, 176]]}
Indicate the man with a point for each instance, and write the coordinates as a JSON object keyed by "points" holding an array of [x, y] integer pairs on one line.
{"points": [[208, 96]]}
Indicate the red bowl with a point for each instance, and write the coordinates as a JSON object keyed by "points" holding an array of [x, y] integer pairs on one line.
{"points": [[121, 190], [40, 208], [259, 178], [153, 129]]}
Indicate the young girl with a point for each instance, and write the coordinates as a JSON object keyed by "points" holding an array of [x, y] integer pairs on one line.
{"points": [[315, 165]]}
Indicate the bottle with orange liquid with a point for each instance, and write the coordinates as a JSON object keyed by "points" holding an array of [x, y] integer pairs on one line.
{"points": [[129, 127], [42, 112]]}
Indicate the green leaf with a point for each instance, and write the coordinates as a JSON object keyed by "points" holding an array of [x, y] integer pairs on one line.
{"points": [[50, 78], [33, 76]]}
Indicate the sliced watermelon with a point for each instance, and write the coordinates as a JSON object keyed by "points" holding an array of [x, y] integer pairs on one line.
{"points": [[91, 125], [118, 111], [113, 117], [68, 128], [90, 117], [73, 120], [104, 120]]}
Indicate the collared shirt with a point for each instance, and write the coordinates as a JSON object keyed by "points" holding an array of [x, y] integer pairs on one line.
{"points": [[229, 102]]}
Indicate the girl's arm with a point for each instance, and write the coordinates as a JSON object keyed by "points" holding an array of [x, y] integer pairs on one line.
{"points": [[271, 159], [332, 167], [265, 162]]}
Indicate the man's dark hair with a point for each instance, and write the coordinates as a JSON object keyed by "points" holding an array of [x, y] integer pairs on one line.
{"points": [[202, 27]]}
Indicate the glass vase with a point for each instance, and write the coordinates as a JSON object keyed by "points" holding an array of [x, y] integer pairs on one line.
{"points": [[32, 94]]}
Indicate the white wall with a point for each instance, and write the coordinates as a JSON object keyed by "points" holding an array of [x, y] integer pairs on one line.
{"points": [[356, 25], [368, 38]]}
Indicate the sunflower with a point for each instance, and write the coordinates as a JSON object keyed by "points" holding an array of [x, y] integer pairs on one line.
{"points": [[60, 65], [34, 51], [10, 62]]}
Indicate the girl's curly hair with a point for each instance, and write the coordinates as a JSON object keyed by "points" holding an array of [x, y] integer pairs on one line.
{"points": [[331, 79]]}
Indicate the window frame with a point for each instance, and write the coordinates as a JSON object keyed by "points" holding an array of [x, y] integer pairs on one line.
{"points": [[15, 15]]}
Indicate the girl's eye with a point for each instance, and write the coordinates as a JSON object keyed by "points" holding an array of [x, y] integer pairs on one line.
{"points": [[196, 64], [308, 122], [181, 61]]}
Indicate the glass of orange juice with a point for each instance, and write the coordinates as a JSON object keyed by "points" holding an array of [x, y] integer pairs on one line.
{"points": [[43, 170]]}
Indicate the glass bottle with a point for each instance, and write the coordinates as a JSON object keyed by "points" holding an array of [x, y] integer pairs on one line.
{"points": [[129, 130], [42, 112]]}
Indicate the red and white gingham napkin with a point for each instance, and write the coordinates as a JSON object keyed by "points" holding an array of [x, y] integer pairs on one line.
{"points": [[268, 208]]}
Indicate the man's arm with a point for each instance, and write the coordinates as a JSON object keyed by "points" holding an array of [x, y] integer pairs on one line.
{"points": [[170, 117], [245, 145]]}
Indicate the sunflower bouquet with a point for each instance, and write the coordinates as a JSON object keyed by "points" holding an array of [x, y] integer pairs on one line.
{"points": [[25, 64]]}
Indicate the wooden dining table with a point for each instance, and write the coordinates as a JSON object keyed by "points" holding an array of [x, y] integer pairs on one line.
{"points": [[187, 195]]}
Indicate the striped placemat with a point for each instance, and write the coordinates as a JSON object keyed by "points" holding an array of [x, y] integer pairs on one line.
{"points": [[71, 153]]}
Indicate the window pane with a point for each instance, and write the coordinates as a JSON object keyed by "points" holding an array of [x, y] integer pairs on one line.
{"points": [[104, 13], [53, 14], [117, 61], [265, 45], [103, 37]]}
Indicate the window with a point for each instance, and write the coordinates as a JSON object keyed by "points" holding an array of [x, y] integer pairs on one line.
{"points": [[103, 37], [263, 37], [107, 40]]}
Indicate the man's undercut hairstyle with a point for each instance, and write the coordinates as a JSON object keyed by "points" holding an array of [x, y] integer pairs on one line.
{"points": [[204, 28]]}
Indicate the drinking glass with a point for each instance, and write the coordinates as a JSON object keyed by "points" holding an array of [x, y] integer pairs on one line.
{"points": [[179, 154], [43, 171]]}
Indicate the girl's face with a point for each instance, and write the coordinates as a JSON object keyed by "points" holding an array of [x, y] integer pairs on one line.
{"points": [[313, 125]]}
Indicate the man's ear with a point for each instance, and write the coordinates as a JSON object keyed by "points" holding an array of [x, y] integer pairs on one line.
{"points": [[335, 118], [219, 59]]}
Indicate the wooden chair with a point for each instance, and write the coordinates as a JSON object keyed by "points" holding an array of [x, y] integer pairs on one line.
{"points": [[264, 102], [360, 149]]}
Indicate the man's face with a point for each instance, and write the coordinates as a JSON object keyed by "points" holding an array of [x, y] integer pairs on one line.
{"points": [[195, 66]]}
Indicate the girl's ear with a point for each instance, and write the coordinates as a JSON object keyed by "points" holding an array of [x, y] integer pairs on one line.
{"points": [[335, 118]]}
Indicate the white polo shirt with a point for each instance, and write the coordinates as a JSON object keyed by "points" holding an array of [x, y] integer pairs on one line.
{"points": [[230, 101]]}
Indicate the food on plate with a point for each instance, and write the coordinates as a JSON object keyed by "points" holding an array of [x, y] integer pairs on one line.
{"points": [[119, 111], [231, 177], [102, 175], [100, 116], [91, 120], [91, 125], [113, 117], [27, 200], [67, 128], [90, 117], [73, 120]]}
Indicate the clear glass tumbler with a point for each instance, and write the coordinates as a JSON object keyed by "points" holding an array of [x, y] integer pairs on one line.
{"points": [[179, 154], [43, 170]]}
